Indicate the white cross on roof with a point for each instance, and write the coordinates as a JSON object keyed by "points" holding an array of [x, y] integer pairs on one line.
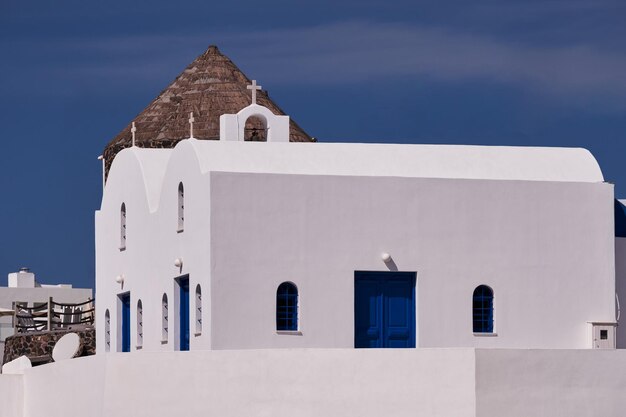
{"points": [[133, 130], [254, 89], [191, 120]]}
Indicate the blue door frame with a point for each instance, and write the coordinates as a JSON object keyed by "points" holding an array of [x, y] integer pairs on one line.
{"points": [[125, 304], [183, 313], [384, 309]]}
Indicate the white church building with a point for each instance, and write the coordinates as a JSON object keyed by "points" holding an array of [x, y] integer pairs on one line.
{"points": [[259, 273], [243, 245]]}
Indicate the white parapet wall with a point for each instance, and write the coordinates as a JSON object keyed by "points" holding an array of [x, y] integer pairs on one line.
{"points": [[306, 382], [459, 382], [11, 395], [568, 383]]}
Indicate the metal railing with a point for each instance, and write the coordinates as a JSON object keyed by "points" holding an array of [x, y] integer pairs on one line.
{"points": [[52, 315]]}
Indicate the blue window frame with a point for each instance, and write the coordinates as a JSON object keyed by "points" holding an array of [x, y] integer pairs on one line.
{"points": [[287, 307], [482, 309]]}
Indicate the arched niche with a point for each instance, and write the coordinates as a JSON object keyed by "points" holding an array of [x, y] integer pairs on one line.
{"points": [[198, 310], [164, 319], [123, 227], [107, 331], [255, 129], [181, 207], [139, 324]]}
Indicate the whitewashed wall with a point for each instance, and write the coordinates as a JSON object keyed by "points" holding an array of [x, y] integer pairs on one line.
{"points": [[522, 383], [428, 383], [545, 248], [153, 244], [321, 382], [11, 395], [41, 295]]}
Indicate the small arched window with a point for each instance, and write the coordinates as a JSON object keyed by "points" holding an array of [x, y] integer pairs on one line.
{"points": [[164, 319], [123, 227], [139, 324], [198, 310], [181, 207], [287, 307], [107, 331], [482, 309]]}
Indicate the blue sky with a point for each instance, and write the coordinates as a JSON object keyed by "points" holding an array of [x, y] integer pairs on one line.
{"points": [[74, 73]]}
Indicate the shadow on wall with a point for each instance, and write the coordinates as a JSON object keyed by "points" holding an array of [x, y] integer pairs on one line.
{"points": [[620, 219], [391, 265]]}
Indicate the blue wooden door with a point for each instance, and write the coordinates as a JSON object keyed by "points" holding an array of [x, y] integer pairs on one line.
{"points": [[384, 309], [184, 313], [125, 300]]}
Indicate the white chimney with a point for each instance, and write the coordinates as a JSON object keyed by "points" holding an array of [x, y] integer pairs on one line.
{"points": [[22, 279]]}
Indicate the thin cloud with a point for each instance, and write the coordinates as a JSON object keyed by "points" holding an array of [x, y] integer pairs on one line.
{"points": [[354, 52]]}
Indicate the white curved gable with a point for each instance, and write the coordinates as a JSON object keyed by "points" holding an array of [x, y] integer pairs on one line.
{"points": [[426, 161], [152, 164]]}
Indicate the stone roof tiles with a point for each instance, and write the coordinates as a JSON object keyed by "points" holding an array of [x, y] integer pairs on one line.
{"points": [[210, 86]]}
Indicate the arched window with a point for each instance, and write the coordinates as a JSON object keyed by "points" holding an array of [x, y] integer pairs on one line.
{"points": [[198, 310], [287, 307], [181, 207], [123, 227], [482, 309], [164, 319], [107, 331], [139, 324]]}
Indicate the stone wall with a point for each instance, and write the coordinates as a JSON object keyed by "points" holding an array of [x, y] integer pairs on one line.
{"points": [[38, 345]]}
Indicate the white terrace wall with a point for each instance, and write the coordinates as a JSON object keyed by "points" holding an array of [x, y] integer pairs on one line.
{"points": [[556, 383], [11, 395], [320, 382], [289, 383]]}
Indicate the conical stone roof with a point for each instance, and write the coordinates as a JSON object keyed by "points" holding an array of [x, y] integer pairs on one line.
{"points": [[209, 87]]}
